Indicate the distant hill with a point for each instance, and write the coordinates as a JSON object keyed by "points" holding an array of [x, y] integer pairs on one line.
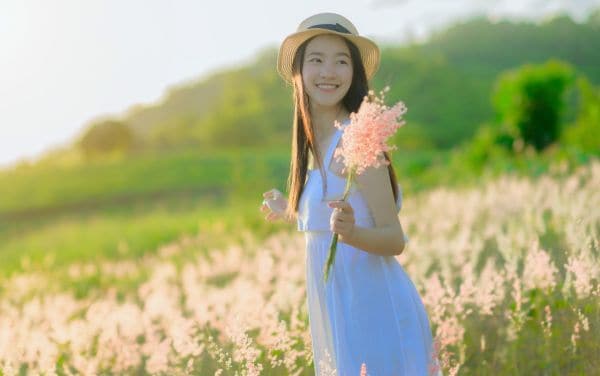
{"points": [[445, 82]]}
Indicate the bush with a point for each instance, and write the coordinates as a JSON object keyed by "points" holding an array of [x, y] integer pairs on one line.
{"points": [[530, 102]]}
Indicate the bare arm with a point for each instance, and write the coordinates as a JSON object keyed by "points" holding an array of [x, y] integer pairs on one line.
{"points": [[384, 241], [387, 237]]}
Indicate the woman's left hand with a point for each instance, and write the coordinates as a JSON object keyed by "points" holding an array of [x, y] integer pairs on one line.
{"points": [[342, 219]]}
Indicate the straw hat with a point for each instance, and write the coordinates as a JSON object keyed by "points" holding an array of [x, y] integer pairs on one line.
{"points": [[326, 23]]}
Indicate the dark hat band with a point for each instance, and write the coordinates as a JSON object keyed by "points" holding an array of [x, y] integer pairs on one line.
{"points": [[337, 27]]}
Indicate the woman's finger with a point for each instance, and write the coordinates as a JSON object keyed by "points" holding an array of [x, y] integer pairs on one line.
{"points": [[343, 216], [346, 220], [269, 193], [341, 228], [341, 205], [272, 194]]}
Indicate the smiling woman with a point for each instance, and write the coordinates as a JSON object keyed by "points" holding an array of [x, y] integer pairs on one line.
{"points": [[368, 312]]}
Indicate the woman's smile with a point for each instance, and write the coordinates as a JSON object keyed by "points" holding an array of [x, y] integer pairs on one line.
{"points": [[328, 88]]}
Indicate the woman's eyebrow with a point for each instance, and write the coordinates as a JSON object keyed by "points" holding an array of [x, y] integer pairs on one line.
{"points": [[321, 54]]}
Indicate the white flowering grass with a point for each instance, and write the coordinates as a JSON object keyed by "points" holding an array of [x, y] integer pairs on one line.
{"points": [[509, 272]]}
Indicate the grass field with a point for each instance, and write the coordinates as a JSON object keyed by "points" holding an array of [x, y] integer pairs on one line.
{"points": [[127, 208], [508, 269]]}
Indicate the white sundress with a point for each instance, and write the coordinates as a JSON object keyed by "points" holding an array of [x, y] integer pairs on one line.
{"points": [[368, 311]]}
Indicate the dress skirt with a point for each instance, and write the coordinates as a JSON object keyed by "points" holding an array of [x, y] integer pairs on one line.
{"points": [[369, 311]]}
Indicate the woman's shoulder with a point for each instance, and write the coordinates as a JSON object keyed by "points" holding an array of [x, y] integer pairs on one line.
{"points": [[374, 185]]}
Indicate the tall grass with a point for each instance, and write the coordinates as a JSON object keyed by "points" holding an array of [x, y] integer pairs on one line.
{"points": [[509, 272]]}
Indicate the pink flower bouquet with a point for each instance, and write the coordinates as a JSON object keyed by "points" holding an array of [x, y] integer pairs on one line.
{"points": [[364, 141]]}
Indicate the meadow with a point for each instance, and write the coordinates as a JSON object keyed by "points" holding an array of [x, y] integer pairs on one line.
{"points": [[139, 249], [128, 207], [508, 270]]}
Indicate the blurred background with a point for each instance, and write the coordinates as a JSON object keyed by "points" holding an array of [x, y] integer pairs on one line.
{"points": [[137, 138], [124, 125]]}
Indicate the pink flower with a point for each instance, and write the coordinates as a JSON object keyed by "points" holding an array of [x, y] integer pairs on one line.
{"points": [[539, 271], [364, 141]]}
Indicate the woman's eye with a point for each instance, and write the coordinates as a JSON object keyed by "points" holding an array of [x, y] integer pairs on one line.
{"points": [[343, 62]]}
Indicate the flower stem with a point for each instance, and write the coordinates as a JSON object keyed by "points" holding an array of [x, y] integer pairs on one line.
{"points": [[334, 239]]}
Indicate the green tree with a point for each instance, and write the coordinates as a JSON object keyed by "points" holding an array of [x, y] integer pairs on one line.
{"points": [[530, 101]]}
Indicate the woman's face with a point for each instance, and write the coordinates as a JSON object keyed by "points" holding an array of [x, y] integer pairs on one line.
{"points": [[327, 70]]}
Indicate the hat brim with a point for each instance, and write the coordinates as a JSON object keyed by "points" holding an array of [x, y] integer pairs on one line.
{"points": [[369, 52]]}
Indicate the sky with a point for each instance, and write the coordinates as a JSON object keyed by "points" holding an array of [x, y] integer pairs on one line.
{"points": [[64, 63]]}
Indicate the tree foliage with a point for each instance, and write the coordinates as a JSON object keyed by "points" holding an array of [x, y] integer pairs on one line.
{"points": [[445, 82], [531, 100]]}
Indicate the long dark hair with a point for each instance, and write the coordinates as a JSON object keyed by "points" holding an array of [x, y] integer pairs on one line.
{"points": [[303, 135]]}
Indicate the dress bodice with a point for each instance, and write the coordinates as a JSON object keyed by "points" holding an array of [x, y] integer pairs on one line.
{"points": [[313, 211]]}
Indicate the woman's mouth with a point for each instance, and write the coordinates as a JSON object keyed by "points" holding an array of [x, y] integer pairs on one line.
{"points": [[328, 87]]}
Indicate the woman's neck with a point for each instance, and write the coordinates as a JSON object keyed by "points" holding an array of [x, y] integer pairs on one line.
{"points": [[324, 118]]}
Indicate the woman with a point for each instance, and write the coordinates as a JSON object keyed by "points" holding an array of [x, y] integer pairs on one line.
{"points": [[369, 310]]}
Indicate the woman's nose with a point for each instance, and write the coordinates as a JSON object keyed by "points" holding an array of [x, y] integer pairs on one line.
{"points": [[327, 71]]}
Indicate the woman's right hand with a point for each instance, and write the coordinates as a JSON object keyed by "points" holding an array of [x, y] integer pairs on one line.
{"points": [[274, 204]]}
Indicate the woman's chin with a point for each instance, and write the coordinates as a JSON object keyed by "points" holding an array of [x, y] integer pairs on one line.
{"points": [[326, 102]]}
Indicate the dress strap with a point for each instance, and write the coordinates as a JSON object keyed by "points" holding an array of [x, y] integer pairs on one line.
{"points": [[334, 142], [329, 155]]}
